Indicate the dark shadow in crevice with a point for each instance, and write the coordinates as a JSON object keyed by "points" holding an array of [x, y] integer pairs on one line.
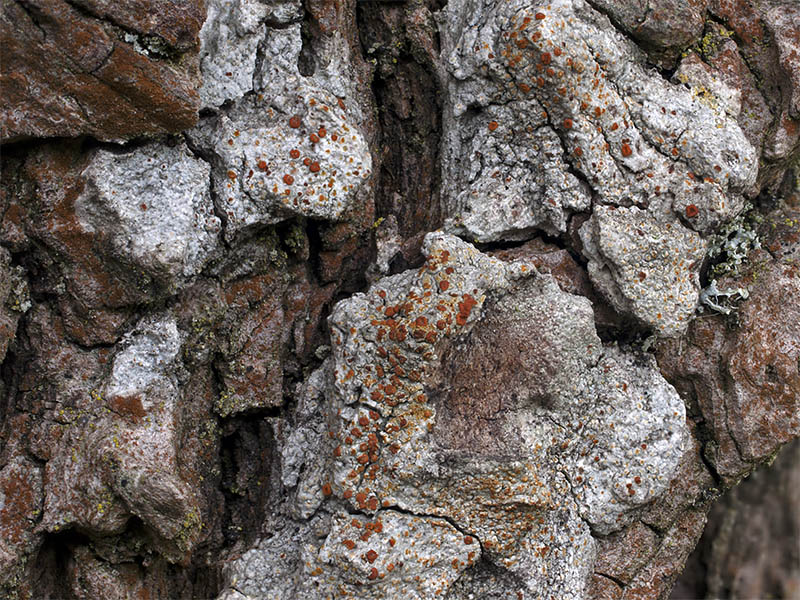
{"points": [[50, 571], [246, 456], [408, 101], [306, 62]]}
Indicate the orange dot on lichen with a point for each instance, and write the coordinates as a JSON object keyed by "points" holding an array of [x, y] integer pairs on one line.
{"points": [[692, 211], [314, 138], [262, 165], [540, 16], [492, 125], [314, 167], [294, 122], [294, 153], [231, 175], [626, 150], [568, 123], [288, 179], [546, 58]]}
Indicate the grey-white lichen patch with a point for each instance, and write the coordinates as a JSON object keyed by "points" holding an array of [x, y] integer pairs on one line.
{"points": [[154, 205], [304, 156], [645, 266], [508, 176], [305, 447], [417, 346], [707, 86], [285, 144], [395, 447], [627, 449], [390, 555], [394, 555], [548, 105], [478, 392], [230, 41], [273, 567], [146, 359]]}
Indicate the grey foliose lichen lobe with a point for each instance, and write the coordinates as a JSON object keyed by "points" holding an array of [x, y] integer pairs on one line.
{"points": [[153, 205], [478, 392]]}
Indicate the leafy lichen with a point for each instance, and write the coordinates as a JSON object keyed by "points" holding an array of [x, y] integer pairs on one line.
{"points": [[728, 250]]}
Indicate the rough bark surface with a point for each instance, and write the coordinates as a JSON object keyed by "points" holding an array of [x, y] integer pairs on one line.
{"points": [[399, 300]]}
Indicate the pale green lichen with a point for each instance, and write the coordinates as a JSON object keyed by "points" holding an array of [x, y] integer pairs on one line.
{"points": [[295, 239], [728, 250], [189, 530], [229, 403], [709, 44], [19, 298]]}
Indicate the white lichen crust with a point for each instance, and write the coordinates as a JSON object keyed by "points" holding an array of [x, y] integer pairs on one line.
{"points": [[154, 205], [644, 266], [230, 41], [304, 156], [588, 434], [286, 144], [549, 107]]}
